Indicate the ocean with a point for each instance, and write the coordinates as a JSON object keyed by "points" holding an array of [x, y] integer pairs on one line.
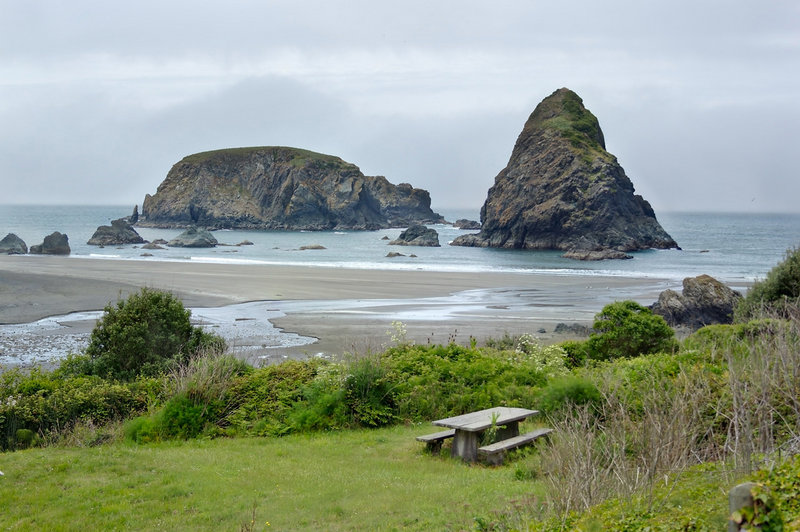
{"points": [[734, 248]]}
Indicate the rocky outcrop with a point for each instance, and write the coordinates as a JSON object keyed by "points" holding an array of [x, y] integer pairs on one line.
{"points": [[280, 188], [54, 244], [417, 235], [704, 301], [13, 245], [119, 232], [193, 238], [463, 223], [562, 190]]}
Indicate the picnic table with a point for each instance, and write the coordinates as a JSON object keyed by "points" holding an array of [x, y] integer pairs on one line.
{"points": [[469, 427]]}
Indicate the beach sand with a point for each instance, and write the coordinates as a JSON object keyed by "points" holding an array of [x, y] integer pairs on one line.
{"points": [[347, 310]]}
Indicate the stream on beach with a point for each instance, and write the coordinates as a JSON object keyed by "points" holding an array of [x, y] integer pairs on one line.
{"points": [[251, 335]]}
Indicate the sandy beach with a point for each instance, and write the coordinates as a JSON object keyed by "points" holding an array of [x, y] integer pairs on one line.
{"points": [[345, 310]]}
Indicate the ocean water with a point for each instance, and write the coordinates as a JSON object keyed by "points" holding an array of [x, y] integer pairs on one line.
{"points": [[734, 248]]}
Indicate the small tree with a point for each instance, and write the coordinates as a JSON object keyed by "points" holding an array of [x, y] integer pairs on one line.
{"points": [[143, 334], [627, 329]]}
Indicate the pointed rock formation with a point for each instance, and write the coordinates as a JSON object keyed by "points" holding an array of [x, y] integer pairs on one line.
{"points": [[280, 188], [562, 190]]}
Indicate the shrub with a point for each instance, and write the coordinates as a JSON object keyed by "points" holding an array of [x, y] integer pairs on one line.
{"points": [[548, 360], [566, 392], [784, 482], [434, 381], [183, 418], [576, 353], [143, 334], [369, 393], [49, 406], [772, 294], [627, 329], [141, 429], [265, 398]]}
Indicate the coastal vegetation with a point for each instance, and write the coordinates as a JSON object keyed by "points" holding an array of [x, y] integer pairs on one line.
{"points": [[650, 432]]}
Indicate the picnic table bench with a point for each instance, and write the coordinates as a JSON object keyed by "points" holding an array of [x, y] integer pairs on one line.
{"points": [[434, 441], [495, 453], [466, 431]]}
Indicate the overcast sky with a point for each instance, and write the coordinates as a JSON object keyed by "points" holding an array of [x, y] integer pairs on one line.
{"points": [[699, 100]]}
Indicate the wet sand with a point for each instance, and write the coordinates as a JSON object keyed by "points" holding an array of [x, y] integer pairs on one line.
{"points": [[347, 310]]}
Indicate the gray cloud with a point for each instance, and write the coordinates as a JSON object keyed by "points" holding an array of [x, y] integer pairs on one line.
{"points": [[697, 100]]}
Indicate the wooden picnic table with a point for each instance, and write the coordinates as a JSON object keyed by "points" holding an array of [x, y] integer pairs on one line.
{"points": [[469, 427]]}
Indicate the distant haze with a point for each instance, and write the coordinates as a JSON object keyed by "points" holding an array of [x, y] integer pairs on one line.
{"points": [[699, 101]]}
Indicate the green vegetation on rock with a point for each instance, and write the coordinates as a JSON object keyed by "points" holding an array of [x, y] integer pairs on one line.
{"points": [[298, 156]]}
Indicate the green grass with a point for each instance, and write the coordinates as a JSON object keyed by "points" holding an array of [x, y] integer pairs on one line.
{"points": [[299, 157], [348, 480]]}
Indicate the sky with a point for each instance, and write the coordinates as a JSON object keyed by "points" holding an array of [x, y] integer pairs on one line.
{"points": [[699, 100]]}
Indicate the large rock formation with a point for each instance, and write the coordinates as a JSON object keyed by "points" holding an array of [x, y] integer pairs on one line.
{"points": [[417, 235], [562, 190], [54, 244], [280, 188], [13, 245], [119, 232], [704, 301]]}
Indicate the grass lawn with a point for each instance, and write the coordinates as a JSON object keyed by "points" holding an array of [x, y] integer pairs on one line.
{"points": [[349, 480]]}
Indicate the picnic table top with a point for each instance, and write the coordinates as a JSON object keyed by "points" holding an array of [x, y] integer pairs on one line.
{"points": [[482, 419]]}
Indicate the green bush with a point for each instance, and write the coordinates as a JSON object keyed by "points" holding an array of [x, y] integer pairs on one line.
{"points": [[324, 407], [627, 329], [783, 483], [771, 295], [142, 429], [740, 339], [265, 399], [183, 418], [370, 393], [565, 392], [433, 381], [143, 335], [49, 405], [576, 353]]}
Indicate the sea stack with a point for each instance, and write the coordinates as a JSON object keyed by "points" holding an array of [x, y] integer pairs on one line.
{"points": [[280, 188], [562, 190]]}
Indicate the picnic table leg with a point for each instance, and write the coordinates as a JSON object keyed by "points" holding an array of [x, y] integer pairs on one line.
{"points": [[465, 445], [511, 430]]}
